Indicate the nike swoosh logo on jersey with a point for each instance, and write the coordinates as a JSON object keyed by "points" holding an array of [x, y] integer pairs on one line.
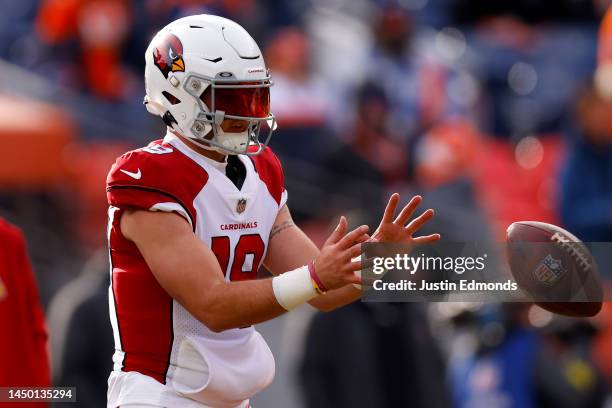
{"points": [[136, 175]]}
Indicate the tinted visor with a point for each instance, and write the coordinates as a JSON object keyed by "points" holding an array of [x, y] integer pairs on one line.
{"points": [[248, 102]]}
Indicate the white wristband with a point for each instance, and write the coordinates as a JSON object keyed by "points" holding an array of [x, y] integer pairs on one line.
{"points": [[293, 288]]}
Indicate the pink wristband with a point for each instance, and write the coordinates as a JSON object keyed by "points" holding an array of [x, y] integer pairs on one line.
{"points": [[319, 287]]}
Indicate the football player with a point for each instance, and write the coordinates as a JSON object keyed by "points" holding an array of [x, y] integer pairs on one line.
{"points": [[193, 216]]}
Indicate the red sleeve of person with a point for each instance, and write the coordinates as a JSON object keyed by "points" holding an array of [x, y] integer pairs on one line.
{"points": [[23, 343]]}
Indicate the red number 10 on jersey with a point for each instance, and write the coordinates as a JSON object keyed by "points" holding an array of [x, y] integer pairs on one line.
{"points": [[247, 244]]}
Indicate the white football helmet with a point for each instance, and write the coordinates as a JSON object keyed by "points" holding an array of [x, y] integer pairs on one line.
{"points": [[203, 69]]}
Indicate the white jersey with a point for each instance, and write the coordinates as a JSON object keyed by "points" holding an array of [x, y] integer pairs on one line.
{"points": [[163, 355]]}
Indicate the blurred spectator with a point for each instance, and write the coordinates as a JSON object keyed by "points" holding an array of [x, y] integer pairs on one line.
{"points": [[91, 50], [530, 74], [300, 103], [499, 370], [445, 161], [81, 335], [414, 82], [87, 358], [97, 45], [299, 98], [586, 179], [446, 153], [515, 365], [566, 374], [95, 31], [24, 361], [359, 168], [373, 355]]}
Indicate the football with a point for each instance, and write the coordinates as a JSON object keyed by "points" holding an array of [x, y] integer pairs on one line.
{"points": [[554, 268]]}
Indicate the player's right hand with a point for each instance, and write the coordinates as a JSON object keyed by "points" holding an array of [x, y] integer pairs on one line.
{"points": [[333, 265]]}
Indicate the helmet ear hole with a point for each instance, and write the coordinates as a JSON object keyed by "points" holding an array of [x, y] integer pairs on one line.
{"points": [[168, 119], [171, 98]]}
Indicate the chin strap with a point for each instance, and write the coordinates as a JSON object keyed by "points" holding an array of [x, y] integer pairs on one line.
{"points": [[207, 146], [203, 144]]}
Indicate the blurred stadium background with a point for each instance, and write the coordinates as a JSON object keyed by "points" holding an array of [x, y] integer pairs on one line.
{"points": [[495, 111]]}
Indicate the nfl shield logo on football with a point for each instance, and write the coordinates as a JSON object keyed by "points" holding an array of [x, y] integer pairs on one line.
{"points": [[549, 271], [241, 205]]}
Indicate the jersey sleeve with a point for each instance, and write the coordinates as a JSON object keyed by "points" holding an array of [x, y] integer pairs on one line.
{"points": [[270, 171], [155, 182]]}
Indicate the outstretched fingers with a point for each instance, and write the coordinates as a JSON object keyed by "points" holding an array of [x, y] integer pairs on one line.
{"points": [[391, 207], [364, 238], [419, 221], [338, 232], [426, 239], [408, 210], [352, 237]]}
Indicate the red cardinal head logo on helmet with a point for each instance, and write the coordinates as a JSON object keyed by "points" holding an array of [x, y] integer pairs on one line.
{"points": [[168, 55]]}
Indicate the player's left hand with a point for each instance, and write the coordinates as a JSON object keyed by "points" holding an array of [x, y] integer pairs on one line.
{"points": [[395, 230]]}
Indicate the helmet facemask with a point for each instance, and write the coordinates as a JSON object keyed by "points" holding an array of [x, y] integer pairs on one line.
{"points": [[229, 98]]}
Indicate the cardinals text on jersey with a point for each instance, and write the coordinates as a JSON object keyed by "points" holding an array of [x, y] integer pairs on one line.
{"points": [[156, 339]]}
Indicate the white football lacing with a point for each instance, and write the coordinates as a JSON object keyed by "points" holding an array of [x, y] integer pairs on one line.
{"points": [[574, 250]]}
